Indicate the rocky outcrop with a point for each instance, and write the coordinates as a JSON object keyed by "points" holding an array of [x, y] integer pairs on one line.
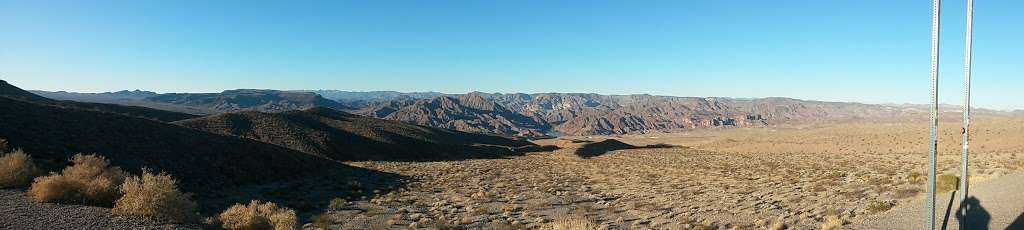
{"points": [[534, 115]]}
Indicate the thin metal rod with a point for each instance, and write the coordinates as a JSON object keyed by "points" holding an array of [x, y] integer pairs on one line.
{"points": [[964, 176], [933, 116]]}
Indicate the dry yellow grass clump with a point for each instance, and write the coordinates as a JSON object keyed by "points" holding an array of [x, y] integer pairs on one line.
{"points": [[155, 196], [573, 222], [946, 183], [258, 215], [17, 169], [832, 222], [89, 180]]}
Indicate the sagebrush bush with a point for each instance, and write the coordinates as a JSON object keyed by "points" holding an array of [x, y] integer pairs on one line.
{"points": [[571, 222], [89, 180], [946, 183], [337, 204], [832, 222], [876, 206], [258, 215], [17, 169], [155, 196]]}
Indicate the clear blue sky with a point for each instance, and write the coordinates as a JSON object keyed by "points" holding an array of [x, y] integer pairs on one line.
{"points": [[865, 51]]}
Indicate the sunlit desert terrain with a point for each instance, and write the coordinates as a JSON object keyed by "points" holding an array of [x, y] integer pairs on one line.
{"points": [[794, 176]]}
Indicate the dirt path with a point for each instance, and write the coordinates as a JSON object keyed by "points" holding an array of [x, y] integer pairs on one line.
{"points": [[18, 212], [1000, 202]]}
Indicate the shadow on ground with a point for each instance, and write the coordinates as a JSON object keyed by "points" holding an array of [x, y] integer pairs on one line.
{"points": [[1017, 223], [972, 216], [602, 147]]}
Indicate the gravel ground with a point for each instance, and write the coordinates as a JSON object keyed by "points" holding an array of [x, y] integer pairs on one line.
{"points": [[1000, 202], [19, 212]]}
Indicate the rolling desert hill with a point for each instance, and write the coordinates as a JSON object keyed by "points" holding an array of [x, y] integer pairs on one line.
{"points": [[218, 169], [15, 93], [343, 136]]}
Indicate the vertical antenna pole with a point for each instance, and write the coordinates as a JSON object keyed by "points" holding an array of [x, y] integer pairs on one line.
{"points": [[964, 176], [933, 118]]}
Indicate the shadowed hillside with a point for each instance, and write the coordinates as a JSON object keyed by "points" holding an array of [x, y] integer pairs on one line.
{"points": [[599, 148], [343, 136], [219, 170], [13, 92]]}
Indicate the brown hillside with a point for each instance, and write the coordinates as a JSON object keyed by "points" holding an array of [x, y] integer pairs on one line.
{"points": [[218, 169], [342, 136]]}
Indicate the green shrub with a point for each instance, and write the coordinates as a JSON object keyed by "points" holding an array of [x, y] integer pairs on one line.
{"points": [[89, 180], [17, 169], [155, 196]]}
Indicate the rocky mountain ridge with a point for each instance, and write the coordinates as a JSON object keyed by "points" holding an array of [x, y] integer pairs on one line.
{"points": [[543, 114]]}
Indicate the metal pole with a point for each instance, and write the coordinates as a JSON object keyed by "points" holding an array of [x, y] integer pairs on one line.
{"points": [[933, 116], [964, 176]]}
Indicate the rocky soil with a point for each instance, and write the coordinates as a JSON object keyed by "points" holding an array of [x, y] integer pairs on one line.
{"points": [[18, 212], [712, 185]]}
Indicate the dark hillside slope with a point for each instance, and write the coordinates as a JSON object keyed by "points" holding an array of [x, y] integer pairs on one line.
{"points": [[219, 169], [13, 92], [343, 136]]}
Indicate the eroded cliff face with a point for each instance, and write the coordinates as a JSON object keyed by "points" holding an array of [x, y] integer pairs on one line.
{"points": [[531, 115]]}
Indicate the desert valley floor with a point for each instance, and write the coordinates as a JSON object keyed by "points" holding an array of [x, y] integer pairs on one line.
{"points": [[757, 178]]}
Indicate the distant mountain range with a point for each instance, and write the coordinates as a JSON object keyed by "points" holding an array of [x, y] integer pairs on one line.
{"points": [[525, 115]]}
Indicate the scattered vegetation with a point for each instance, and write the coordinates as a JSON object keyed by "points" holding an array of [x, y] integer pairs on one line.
{"points": [[89, 180], [16, 169], [917, 178], [321, 221], [571, 222], [155, 196], [877, 206], [946, 183], [337, 204], [832, 222], [258, 215]]}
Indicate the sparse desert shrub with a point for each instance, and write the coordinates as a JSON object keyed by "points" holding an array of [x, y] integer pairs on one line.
{"points": [[946, 183], [17, 169], [832, 222], [906, 193], [337, 204], [876, 206], [571, 222], [258, 215], [916, 177], [89, 180], [155, 196], [321, 221], [779, 225]]}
